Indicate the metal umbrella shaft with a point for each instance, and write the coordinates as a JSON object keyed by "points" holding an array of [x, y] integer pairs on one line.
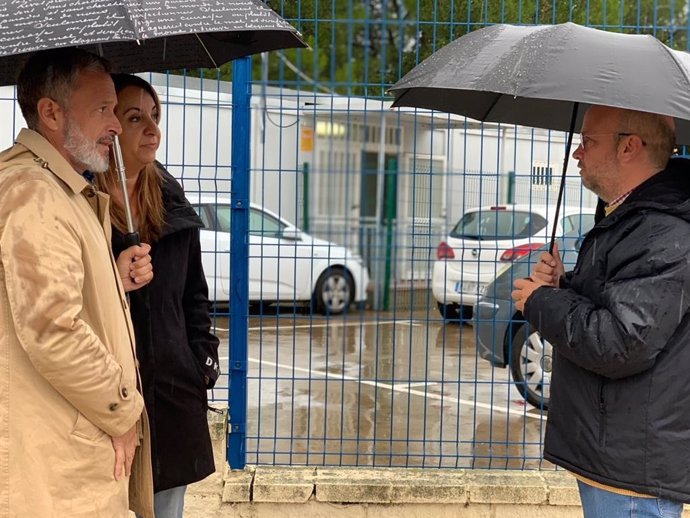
{"points": [[561, 188], [132, 236]]}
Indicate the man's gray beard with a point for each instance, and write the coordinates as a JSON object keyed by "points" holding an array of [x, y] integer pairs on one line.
{"points": [[83, 150]]}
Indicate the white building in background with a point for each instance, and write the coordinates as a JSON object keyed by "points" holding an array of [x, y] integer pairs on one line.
{"points": [[338, 166], [441, 164]]}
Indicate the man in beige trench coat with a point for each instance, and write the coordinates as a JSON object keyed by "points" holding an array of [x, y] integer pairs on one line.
{"points": [[70, 413]]}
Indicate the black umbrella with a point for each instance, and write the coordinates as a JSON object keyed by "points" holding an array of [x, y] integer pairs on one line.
{"points": [[142, 35], [546, 76]]}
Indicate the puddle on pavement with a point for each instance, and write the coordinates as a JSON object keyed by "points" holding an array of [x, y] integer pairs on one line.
{"points": [[340, 393]]}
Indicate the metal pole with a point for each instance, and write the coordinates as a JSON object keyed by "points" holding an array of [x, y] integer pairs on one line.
{"points": [[239, 262], [305, 196], [390, 215], [380, 186]]}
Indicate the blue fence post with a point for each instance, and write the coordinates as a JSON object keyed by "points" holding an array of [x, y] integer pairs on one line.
{"points": [[239, 262]]}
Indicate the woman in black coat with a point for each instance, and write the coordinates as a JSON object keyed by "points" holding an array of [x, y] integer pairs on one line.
{"points": [[178, 355]]}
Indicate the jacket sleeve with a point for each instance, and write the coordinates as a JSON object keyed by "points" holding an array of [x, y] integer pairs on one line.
{"points": [[204, 344], [41, 254], [642, 302]]}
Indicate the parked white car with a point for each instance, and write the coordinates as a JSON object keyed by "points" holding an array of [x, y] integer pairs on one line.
{"points": [[286, 265], [485, 242]]}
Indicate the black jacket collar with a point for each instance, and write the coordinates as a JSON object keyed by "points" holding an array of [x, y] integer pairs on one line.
{"points": [[179, 213]]}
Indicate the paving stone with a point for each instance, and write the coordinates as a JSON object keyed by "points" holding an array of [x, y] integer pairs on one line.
{"points": [[432, 486], [494, 487], [295, 485], [353, 485], [562, 487], [237, 485]]}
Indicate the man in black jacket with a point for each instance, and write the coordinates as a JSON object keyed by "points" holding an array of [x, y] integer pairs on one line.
{"points": [[619, 417]]}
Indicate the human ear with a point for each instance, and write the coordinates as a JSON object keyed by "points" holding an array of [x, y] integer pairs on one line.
{"points": [[50, 113], [630, 148]]}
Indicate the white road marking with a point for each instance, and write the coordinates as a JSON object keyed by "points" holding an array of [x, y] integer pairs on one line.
{"points": [[273, 327], [399, 387], [417, 384]]}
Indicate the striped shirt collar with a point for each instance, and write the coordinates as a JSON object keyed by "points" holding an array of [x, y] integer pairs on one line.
{"points": [[613, 205]]}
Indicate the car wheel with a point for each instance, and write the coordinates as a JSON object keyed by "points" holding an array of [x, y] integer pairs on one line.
{"points": [[334, 292], [454, 312], [531, 362], [263, 308]]}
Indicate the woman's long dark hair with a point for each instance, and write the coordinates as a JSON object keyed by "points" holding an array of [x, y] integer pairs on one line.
{"points": [[149, 196]]}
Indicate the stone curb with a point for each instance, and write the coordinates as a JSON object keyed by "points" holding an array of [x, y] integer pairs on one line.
{"points": [[398, 486], [334, 492]]}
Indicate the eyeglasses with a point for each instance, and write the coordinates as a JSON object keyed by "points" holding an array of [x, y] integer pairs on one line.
{"points": [[586, 138]]}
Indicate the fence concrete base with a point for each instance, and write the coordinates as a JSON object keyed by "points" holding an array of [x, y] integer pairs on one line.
{"points": [[269, 492], [329, 492]]}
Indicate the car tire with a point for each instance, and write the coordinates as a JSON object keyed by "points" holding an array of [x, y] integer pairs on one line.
{"points": [[453, 312], [334, 292], [263, 308], [531, 362]]}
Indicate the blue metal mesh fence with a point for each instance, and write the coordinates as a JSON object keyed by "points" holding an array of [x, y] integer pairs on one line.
{"points": [[428, 373]]}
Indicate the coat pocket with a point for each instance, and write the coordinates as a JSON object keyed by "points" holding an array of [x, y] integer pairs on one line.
{"points": [[86, 429]]}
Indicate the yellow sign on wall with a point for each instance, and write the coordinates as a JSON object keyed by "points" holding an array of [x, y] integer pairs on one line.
{"points": [[307, 140]]}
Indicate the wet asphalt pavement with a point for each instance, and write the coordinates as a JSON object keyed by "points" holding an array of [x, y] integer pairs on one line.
{"points": [[379, 389]]}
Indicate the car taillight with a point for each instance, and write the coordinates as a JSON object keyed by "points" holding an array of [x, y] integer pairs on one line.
{"points": [[519, 251], [444, 251]]}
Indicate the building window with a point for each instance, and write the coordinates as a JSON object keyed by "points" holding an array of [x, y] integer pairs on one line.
{"points": [[542, 174]]}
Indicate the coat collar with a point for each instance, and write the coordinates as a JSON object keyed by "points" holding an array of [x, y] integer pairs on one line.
{"points": [[179, 214], [49, 157]]}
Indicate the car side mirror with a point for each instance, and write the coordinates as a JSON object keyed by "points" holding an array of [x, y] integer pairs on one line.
{"points": [[291, 234]]}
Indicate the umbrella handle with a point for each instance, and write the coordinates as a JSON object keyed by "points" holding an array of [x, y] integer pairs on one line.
{"points": [[132, 239], [561, 189], [132, 236]]}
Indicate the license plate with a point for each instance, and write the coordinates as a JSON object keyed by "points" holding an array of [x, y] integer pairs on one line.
{"points": [[466, 287]]}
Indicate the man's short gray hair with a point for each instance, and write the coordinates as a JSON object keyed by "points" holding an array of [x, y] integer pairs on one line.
{"points": [[657, 131], [53, 74]]}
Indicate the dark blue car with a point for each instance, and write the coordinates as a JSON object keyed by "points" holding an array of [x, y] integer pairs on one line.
{"points": [[503, 336]]}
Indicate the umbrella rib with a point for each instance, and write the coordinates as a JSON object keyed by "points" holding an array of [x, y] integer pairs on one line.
{"points": [[215, 65], [494, 103]]}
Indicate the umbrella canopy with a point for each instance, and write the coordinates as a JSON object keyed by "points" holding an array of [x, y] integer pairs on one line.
{"points": [[142, 35], [533, 75]]}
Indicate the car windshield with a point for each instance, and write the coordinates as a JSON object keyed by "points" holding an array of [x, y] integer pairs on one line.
{"points": [[577, 224], [498, 224], [260, 223]]}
